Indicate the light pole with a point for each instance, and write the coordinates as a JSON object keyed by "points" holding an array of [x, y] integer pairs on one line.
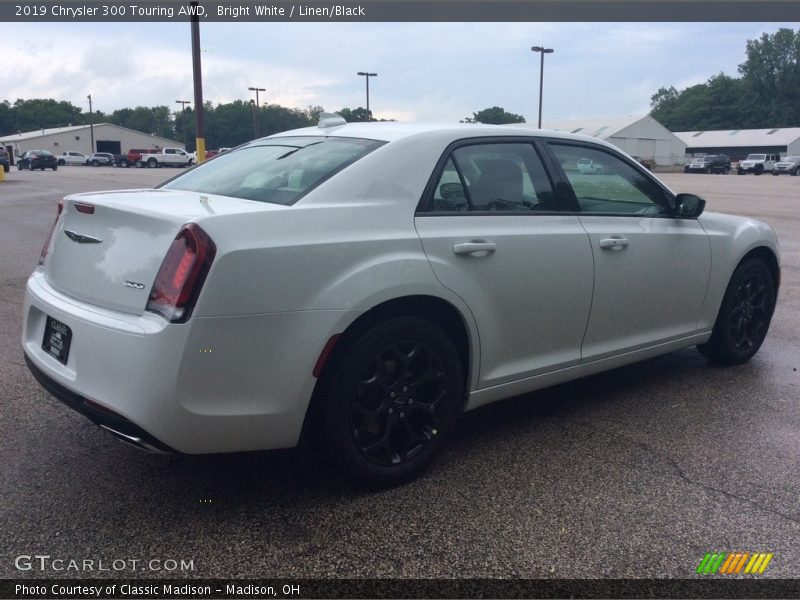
{"points": [[91, 123], [367, 75], [258, 107], [183, 104], [542, 50]]}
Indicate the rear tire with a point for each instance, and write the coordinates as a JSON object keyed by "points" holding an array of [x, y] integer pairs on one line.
{"points": [[152, 163], [95, 163], [393, 400], [744, 317]]}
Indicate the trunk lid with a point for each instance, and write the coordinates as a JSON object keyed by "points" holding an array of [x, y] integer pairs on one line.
{"points": [[111, 256]]}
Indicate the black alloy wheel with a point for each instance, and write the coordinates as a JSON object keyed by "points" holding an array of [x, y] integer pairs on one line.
{"points": [[393, 400], [745, 315]]}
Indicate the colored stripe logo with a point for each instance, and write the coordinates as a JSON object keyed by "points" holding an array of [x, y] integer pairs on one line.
{"points": [[732, 563]]}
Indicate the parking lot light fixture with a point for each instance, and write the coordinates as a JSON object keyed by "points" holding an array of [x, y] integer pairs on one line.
{"points": [[183, 104], [367, 75], [91, 123], [257, 107], [542, 51]]}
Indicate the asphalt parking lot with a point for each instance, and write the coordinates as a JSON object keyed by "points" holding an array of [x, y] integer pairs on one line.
{"points": [[633, 473]]}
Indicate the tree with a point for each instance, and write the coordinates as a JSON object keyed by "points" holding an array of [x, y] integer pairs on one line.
{"points": [[495, 116], [156, 119], [313, 112], [40, 113], [771, 75], [766, 95], [355, 115]]}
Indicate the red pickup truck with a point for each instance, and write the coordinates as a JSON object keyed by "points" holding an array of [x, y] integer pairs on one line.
{"points": [[133, 157]]}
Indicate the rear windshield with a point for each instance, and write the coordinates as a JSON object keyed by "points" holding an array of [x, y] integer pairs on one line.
{"points": [[278, 170]]}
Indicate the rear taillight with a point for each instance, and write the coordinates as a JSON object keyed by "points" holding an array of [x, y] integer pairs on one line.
{"points": [[50, 235], [182, 274]]}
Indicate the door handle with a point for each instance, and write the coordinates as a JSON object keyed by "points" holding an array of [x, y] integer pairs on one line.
{"points": [[614, 243], [477, 248]]}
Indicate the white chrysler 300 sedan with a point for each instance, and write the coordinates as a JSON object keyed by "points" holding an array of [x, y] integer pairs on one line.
{"points": [[362, 284]]}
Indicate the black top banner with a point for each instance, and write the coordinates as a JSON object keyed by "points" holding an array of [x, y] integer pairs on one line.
{"points": [[94, 11]]}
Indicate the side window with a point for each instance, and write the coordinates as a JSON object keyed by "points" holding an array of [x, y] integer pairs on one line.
{"points": [[449, 194], [605, 184], [493, 177]]}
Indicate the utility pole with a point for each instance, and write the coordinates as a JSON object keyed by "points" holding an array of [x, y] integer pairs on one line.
{"points": [[200, 135]]}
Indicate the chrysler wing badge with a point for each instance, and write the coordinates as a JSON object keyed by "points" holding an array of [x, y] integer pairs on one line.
{"points": [[81, 238]]}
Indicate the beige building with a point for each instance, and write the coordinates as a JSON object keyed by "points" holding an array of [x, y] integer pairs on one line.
{"points": [[738, 143], [638, 135], [107, 138]]}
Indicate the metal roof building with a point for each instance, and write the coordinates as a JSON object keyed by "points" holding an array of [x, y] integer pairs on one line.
{"points": [[638, 135], [107, 138], [738, 143]]}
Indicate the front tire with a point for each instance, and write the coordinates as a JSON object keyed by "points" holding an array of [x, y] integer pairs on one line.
{"points": [[744, 317], [393, 400]]}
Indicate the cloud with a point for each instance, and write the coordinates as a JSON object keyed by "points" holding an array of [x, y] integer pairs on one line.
{"points": [[426, 71]]}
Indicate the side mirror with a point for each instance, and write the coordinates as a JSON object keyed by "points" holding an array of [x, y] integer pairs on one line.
{"points": [[689, 205]]}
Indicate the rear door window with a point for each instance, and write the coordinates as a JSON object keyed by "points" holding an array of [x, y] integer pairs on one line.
{"points": [[493, 177]]}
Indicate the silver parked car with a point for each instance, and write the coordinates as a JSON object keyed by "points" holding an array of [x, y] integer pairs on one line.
{"points": [[71, 157], [789, 165], [363, 284]]}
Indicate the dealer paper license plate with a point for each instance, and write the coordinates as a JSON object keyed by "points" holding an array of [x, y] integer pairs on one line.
{"points": [[57, 338]]}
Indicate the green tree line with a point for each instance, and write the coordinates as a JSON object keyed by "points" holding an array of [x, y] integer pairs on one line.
{"points": [[766, 95], [226, 125]]}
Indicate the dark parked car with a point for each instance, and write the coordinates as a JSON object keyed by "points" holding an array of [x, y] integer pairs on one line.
{"points": [[4, 159], [713, 163], [105, 159], [37, 159]]}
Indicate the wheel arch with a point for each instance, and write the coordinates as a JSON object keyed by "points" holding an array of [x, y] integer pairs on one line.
{"points": [[435, 309], [765, 254]]}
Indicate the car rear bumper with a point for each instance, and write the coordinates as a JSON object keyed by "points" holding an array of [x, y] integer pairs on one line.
{"points": [[125, 430], [213, 384]]}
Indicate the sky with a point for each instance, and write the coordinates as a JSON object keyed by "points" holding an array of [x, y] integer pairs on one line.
{"points": [[426, 71]]}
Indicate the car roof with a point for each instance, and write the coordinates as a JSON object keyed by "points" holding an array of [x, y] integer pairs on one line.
{"points": [[393, 131]]}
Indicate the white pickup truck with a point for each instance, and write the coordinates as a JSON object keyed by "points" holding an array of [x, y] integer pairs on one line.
{"points": [[170, 157]]}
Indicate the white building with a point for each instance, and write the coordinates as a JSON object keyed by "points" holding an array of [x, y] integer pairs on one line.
{"points": [[638, 135], [738, 143], [107, 138]]}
